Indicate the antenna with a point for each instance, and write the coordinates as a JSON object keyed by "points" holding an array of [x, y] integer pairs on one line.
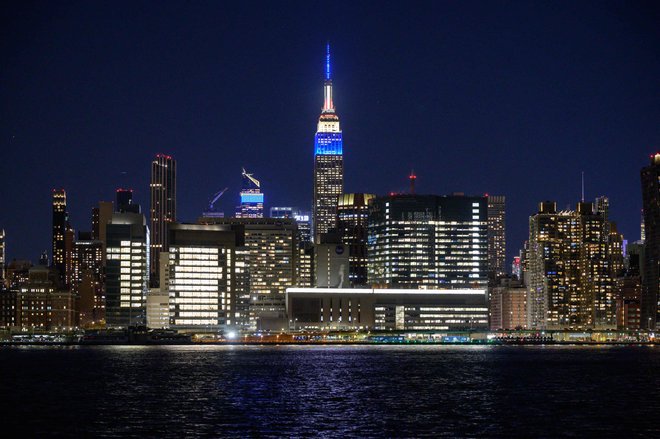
{"points": [[327, 62], [583, 186], [412, 178]]}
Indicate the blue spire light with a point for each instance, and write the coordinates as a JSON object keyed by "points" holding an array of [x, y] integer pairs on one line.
{"points": [[327, 63]]}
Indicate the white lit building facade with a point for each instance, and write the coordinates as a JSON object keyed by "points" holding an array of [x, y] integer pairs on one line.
{"points": [[428, 241], [127, 269], [388, 309]]}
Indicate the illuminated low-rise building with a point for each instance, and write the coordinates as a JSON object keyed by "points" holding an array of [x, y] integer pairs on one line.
{"points": [[158, 307], [508, 305], [387, 309]]}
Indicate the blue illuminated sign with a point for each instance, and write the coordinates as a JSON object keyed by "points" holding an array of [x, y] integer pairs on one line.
{"points": [[252, 198], [328, 144]]}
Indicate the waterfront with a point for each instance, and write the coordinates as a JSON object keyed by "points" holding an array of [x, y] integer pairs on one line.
{"points": [[339, 391]]}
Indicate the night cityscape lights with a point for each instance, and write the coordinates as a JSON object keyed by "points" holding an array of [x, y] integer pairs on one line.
{"points": [[417, 265]]}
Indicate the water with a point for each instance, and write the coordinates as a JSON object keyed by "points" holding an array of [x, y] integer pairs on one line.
{"points": [[330, 391]]}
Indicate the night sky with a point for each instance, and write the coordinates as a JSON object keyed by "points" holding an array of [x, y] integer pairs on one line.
{"points": [[512, 98]]}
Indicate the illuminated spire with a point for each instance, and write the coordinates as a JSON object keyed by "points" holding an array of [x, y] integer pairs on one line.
{"points": [[328, 105], [327, 63]]}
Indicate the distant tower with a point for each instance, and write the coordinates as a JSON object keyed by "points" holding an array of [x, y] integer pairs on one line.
{"points": [[496, 235], [163, 208], [252, 200], [328, 162], [3, 256], [650, 305], [60, 221], [124, 201], [412, 178], [352, 214]]}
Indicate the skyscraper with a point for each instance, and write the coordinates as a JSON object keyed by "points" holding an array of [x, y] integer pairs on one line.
{"points": [[651, 278], [60, 225], [163, 208], [428, 241], [268, 252], [252, 199], [127, 269], [3, 257], [573, 266], [496, 235], [328, 162], [352, 217], [124, 201]]}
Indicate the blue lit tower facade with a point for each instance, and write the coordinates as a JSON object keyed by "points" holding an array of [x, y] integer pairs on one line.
{"points": [[252, 199], [328, 162]]}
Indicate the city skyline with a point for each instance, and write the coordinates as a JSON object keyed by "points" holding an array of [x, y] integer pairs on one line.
{"points": [[592, 125]]}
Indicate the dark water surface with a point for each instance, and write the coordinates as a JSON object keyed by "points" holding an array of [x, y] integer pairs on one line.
{"points": [[330, 391]]}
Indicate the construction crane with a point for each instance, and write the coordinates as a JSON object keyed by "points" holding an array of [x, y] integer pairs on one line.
{"points": [[251, 178], [211, 210]]}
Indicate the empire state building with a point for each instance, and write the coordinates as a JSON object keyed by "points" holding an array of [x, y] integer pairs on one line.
{"points": [[328, 162]]}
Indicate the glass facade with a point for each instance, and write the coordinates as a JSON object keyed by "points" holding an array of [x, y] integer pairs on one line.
{"points": [[428, 241]]}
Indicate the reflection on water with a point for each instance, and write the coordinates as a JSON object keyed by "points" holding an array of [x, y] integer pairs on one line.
{"points": [[340, 391]]}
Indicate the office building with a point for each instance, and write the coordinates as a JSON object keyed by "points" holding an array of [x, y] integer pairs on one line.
{"points": [[573, 267], [60, 227], [496, 236], [252, 199], [387, 309], [650, 305], [269, 253], [428, 241], [163, 208], [101, 216], [126, 269], [202, 277], [328, 162], [508, 305], [352, 219]]}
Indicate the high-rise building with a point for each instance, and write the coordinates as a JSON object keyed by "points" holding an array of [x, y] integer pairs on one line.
{"points": [[252, 199], [126, 269], [428, 241], [60, 226], [101, 216], [202, 277], [87, 280], [328, 162], [269, 254], [572, 269], [650, 306], [124, 202], [3, 256], [496, 235], [352, 219], [163, 208]]}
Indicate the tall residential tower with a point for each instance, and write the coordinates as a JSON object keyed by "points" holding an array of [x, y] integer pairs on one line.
{"points": [[328, 162], [163, 207], [651, 278]]}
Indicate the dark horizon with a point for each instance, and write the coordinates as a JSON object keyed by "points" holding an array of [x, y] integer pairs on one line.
{"points": [[478, 97]]}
